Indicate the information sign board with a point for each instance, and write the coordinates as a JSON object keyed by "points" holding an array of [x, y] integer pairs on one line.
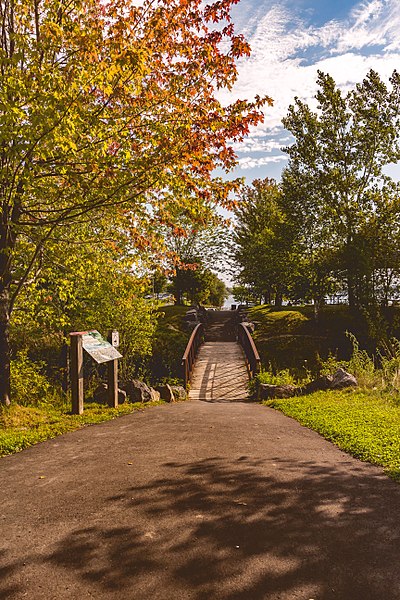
{"points": [[98, 348]]}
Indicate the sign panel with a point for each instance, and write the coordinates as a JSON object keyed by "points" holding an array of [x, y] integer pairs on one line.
{"points": [[115, 339], [98, 348]]}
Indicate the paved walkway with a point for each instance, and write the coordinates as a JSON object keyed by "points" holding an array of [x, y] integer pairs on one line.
{"points": [[197, 501], [220, 372]]}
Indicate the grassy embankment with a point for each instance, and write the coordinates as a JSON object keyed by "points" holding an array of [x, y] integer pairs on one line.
{"points": [[22, 426], [363, 422]]}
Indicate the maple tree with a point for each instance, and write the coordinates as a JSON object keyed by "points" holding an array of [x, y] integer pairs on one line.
{"points": [[109, 107]]}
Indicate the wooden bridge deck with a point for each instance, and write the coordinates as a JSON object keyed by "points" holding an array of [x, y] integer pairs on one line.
{"points": [[220, 373]]}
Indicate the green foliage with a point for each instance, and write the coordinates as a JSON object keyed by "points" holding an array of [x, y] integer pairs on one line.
{"points": [[389, 358], [361, 364], [29, 385], [169, 344], [23, 426], [365, 424], [342, 205], [262, 241]]}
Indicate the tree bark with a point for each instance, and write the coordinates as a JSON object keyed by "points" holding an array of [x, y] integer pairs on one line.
{"points": [[5, 354], [7, 247], [278, 299]]}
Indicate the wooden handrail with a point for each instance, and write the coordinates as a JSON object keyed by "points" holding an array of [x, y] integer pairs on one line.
{"points": [[253, 361], [189, 356]]}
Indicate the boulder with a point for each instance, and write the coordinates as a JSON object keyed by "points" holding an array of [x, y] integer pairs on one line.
{"points": [[338, 381], [165, 392], [138, 391], [101, 394], [341, 379], [179, 392], [322, 383], [267, 391]]}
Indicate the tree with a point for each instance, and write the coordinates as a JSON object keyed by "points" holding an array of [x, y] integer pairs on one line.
{"points": [[335, 170], [84, 286], [109, 107], [263, 241]]}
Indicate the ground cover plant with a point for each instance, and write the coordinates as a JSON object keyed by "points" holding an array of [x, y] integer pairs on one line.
{"points": [[24, 426], [364, 423]]}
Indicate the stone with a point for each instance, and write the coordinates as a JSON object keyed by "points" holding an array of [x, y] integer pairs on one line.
{"points": [[179, 392], [165, 392], [101, 394], [155, 395], [338, 381], [341, 379], [322, 383], [138, 391], [267, 390]]}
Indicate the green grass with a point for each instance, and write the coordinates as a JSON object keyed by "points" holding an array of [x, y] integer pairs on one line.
{"points": [[24, 426], [363, 423], [292, 338]]}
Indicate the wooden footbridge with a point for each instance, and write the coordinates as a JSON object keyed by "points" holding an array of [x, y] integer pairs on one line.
{"points": [[220, 358]]}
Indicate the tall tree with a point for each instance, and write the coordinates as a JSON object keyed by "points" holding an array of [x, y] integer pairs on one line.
{"points": [[263, 241], [109, 106], [335, 168]]}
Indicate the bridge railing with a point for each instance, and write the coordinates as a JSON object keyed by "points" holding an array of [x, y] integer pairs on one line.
{"points": [[192, 348], [253, 361]]}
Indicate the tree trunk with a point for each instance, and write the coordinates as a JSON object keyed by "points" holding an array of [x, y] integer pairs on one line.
{"points": [[7, 246], [4, 345], [278, 298]]}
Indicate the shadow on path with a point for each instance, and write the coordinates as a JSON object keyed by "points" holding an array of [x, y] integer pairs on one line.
{"points": [[231, 530]]}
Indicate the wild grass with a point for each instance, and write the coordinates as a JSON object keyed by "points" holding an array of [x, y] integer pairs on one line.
{"points": [[23, 426]]}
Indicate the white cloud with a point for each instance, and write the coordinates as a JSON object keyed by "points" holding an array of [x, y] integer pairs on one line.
{"points": [[251, 163], [287, 51]]}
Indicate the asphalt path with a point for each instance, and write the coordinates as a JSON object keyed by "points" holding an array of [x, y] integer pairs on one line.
{"points": [[197, 500]]}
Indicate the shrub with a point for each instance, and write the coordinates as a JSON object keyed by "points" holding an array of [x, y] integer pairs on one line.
{"points": [[28, 384]]}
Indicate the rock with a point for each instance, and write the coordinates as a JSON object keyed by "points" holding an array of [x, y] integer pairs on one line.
{"points": [[341, 379], [179, 392], [322, 383], [338, 381], [138, 391], [165, 392], [101, 394], [267, 391], [155, 396]]}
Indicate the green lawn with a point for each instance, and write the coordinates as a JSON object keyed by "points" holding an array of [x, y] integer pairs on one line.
{"points": [[364, 424], [23, 426]]}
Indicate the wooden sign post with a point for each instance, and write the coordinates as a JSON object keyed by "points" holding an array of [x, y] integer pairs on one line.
{"points": [[76, 373], [101, 351], [112, 380]]}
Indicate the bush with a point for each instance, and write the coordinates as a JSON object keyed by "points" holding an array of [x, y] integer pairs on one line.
{"points": [[28, 384]]}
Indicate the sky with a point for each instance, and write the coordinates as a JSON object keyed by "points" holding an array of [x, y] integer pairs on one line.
{"points": [[291, 40]]}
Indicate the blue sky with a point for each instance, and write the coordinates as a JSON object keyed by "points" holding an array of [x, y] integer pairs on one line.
{"points": [[291, 40]]}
